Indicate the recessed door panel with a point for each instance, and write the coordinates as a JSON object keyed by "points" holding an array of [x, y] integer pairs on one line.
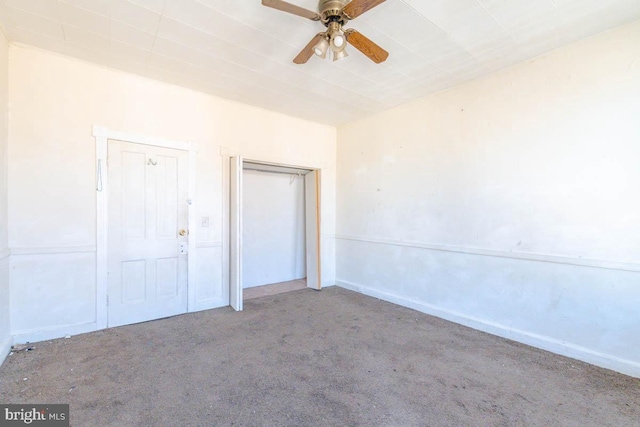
{"points": [[133, 194], [167, 197]]}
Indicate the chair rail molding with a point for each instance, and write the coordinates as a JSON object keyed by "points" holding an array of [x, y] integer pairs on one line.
{"points": [[525, 256]]}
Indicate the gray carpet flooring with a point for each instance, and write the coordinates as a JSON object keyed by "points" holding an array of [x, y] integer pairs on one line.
{"points": [[307, 358]]}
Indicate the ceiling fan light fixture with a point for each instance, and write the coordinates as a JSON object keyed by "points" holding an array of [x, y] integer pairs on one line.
{"points": [[320, 49], [339, 40], [340, 54], [337, 37]]}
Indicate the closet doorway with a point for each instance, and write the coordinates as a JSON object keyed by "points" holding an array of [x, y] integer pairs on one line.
{"points": [[274, 227]]}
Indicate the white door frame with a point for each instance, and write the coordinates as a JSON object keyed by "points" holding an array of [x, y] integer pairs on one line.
{"points": [[102, 136], [233, 279]]}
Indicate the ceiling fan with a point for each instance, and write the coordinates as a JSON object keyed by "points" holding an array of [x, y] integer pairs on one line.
{"points": [[334, 14]]}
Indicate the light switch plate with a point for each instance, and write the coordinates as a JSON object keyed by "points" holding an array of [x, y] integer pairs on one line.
{"points": [[205, 221]]}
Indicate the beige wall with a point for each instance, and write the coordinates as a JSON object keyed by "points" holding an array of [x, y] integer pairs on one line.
{"points": [[4, 251], [509, 203], [55, 101]]}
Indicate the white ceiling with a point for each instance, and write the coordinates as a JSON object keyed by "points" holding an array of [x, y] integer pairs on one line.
{"points": [[241, 50]]}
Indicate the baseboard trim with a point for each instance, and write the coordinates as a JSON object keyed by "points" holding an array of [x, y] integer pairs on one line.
{"points": [[54, 332], [525, 256], [5, 349], [624, 366]]}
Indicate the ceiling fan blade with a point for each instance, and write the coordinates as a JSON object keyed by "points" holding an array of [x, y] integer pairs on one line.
{"points": [[291, 8], [358, 7], [307, 52], [366, 46]]}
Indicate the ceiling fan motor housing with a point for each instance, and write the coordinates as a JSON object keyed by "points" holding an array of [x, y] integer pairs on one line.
{"points": [[331, 11]]}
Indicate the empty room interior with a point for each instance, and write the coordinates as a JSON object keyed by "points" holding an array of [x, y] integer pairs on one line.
{"points": [[334, 212]]}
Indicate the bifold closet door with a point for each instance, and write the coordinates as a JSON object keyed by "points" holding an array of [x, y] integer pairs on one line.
{"points": [[235, 233], [313, 231]]}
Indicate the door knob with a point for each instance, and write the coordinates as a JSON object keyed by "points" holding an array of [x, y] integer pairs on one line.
{"points": [[183, 232]]}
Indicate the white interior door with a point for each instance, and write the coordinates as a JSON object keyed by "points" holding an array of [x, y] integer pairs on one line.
{"points": [[313, 231], [235, 233], [148, 236]]}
